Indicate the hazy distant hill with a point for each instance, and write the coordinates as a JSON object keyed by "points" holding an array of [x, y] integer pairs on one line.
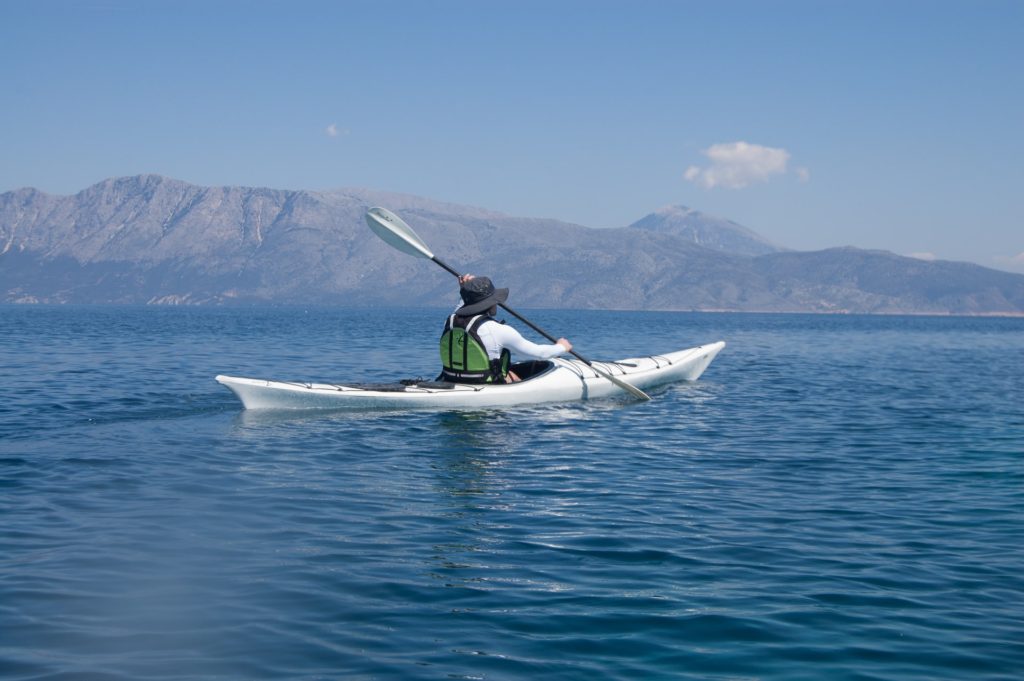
{"points": [[706, 230], [150, 239]]}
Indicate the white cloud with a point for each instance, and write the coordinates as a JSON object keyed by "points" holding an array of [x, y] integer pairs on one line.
{"points": [[735, 165], [1014, 262], [333, 131]]}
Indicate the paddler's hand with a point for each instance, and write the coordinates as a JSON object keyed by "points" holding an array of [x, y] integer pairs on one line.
{"points": [[464, 278], [565, 344]]}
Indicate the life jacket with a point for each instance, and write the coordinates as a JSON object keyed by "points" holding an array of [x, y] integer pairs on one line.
{"points": [[463, 356]]}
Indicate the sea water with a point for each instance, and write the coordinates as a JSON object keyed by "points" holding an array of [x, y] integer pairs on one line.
{"points": [[838, 497]]}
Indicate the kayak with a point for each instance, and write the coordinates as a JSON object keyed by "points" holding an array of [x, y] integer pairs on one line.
{"points": [[555, 380]]}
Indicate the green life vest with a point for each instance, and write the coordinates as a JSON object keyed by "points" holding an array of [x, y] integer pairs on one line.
{"points": [[463, 356]]}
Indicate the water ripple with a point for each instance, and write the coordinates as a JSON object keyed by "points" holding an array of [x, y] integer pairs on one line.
{"points": [[836, 498]]}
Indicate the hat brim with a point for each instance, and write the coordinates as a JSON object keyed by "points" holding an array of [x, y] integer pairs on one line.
{"points": [[500, 295]]}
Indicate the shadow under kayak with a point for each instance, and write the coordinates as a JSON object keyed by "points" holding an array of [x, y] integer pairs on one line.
{"points": [[556, 380]]}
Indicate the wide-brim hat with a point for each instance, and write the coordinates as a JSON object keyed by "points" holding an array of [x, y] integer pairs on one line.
{"points": [[479, 295]]}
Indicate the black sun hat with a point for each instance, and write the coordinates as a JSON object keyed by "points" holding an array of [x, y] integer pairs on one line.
{"points": [[479, 295]]}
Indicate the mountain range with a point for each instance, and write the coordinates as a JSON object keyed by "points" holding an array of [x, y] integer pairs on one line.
{"points": [[153, 240]]}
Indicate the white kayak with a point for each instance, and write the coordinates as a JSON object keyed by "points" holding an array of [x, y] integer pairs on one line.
{"points": [[556, 380]]}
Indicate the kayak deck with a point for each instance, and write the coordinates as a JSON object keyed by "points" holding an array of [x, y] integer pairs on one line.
{"points": [[556, 380]]}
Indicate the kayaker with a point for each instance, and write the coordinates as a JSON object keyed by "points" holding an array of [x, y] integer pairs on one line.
{"points": [[475, 347]]}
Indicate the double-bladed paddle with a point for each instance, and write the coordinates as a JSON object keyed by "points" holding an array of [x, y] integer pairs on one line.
{"points": [[396, 233]]}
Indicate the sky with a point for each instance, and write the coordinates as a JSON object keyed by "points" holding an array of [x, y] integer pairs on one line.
{"points": [[895, 125]]}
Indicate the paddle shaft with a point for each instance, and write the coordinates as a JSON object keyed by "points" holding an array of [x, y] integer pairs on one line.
{"points": [[619, 382]]}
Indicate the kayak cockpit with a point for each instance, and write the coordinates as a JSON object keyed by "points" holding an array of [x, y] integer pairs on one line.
{"points": [[524, 370], [531, 369]]}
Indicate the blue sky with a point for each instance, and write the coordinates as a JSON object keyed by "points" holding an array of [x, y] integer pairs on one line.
{"points": [[892, 125]]}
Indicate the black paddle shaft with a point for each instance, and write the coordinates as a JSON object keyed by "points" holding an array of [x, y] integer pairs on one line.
{"points": [[515, 314]]}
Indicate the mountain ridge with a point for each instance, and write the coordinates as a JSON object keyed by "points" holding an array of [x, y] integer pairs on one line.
{"points": [[154, 240]]}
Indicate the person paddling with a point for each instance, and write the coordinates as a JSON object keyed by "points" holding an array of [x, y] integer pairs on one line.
{"points": [[475, 347]]}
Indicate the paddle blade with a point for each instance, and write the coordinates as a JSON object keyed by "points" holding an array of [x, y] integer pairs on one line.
{"points": [[396, 233]]}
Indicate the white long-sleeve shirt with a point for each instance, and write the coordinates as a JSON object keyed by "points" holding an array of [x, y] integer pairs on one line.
{"points": [[496, 336]]}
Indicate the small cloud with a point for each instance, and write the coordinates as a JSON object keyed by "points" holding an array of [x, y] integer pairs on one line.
{"points": [[333, 131], [1014, 263], [923, 256], [735, 165]]}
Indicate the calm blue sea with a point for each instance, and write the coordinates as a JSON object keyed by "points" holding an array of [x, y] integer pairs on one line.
{"points": [[839, 497]]}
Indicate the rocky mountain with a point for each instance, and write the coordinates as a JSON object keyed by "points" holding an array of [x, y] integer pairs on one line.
{"points": [[149, 239]]}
